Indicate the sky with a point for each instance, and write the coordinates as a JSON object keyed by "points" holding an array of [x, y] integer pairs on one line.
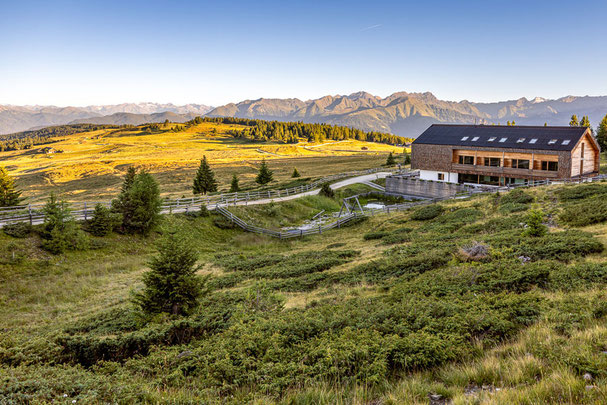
{"points": [[108, 52]]}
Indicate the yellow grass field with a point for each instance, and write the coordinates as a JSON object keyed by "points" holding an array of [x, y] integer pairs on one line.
{"points": [[90, 165]]}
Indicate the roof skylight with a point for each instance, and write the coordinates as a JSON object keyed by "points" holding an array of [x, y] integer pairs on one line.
{"points": [[552, 141], [566, 142], [533, 140], [520, 140], [475, 139], [465, 138], [503, 139], [491, 139]]}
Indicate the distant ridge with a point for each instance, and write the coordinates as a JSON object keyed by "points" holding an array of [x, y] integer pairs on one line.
{"points": [[409, 114], [21, 118]]}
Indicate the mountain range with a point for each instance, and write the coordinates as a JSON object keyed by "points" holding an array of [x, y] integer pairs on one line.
{"points": [[402, 113], [21, 118], [409, 114]]}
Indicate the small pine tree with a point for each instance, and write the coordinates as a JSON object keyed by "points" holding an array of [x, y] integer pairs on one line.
{"points": [[142, 213], [265, 175], [601, 133], [327, 191], [535, 225], [171, 285], [508, 123], [60, 232], [295, 173], [407, 158], [234, 186], [9, 195], [103, 221], [204, 182], [574, 121], [390, 161]]}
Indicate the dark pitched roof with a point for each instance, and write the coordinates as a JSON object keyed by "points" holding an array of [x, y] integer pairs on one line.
{"points": [[499, 136]]}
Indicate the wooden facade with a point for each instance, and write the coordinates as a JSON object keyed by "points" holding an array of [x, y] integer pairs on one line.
{"points": [[508, 164]]}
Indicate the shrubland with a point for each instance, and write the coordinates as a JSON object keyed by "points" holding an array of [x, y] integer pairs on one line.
{"points": [[454, 301]]}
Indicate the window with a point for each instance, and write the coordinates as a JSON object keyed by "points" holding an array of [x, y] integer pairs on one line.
{"points": [[503, 139], [475, 139], [520, 140], [465, 138], [495, 162], [441, 176], [520, 163], [466, 160], [491, 139], [566, 142], [552, 141], [533, 140], [550, 166]]}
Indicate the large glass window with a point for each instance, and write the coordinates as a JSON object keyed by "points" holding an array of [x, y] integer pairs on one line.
{"points": [[550, 166], [492, 162], [466, 160], [520, 163]]}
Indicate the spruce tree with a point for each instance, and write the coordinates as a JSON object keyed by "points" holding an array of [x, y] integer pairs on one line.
{"points": [[574, 121], [142, 212], [234, 186], [265, 175], [60, 232], [295, 173], [9, 195], [204, 182], [390, 161], [171, 285], [407, 158], [601, 134]]}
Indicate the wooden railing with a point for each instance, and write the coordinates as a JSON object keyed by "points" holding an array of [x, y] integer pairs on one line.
{"points": [[33, 213]]}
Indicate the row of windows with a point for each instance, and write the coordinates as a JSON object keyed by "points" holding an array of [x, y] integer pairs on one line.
{"points": [[519, 140], [516, 163]]}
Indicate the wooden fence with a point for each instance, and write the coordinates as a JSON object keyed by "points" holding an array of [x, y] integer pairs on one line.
{"points": [[33, 213]]}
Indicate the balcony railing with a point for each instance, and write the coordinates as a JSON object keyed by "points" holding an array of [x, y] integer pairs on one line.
{"points": [[505, 171]]}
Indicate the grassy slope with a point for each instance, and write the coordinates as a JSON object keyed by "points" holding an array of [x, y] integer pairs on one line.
{"points": [[42, 296], [92, 163]]}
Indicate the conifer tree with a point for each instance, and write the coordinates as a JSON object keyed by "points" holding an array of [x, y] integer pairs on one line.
{"points": [[574, 121], [390, 161], [9, 195], [407, 158], [204, 182], [171, 285], [295, 173], [142, 213], [234, 186], [601, 134], [265, 175], [585, 122]]}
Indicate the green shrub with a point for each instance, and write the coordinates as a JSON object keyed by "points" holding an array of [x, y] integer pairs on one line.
{"points": [[103, 221], [327, 191], [591, 211], [535, 224], [427, 212], [581, 191], [222, 222], [375, 235], [516, 196], [18, 229], [562, 246], [513, 207]]}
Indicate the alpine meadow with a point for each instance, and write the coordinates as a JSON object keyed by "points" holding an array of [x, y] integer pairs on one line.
{"points": [[303, 203]]}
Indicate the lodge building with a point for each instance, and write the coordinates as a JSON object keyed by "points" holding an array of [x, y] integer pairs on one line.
{"points": [[504, 155]]}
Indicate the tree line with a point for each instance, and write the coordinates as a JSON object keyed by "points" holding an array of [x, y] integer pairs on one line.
{"points": [[27, 139], [292, 132]]}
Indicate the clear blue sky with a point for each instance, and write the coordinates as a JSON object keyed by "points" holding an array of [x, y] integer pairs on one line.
{"points": [[106, 52]]}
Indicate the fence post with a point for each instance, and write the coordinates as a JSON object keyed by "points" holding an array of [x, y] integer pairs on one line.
{"points": [[85, 218], [320, 228], [301, 233], [29, 208]]}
